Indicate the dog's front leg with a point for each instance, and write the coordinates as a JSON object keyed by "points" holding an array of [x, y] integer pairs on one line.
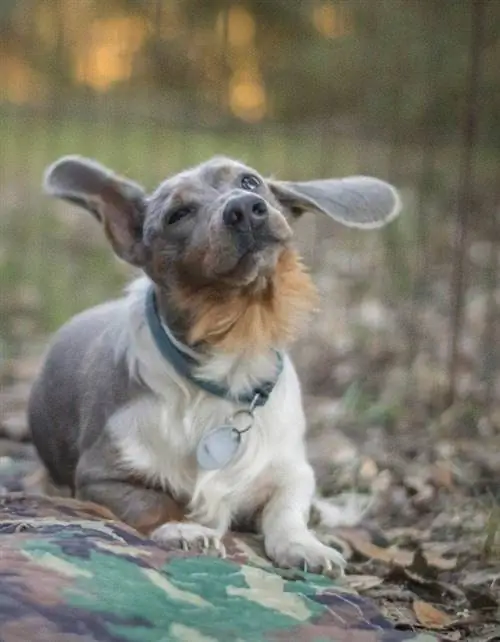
{"points": [[142, 508], [287, 538], [153, 512]]}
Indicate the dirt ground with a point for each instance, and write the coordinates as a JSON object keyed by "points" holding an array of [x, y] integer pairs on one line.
{"points": [[428, 550]]}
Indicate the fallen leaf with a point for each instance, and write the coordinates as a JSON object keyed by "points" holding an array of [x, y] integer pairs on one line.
{"points": [[382, 483], [370, 533], [349, 532], [388, 594], [480, 578], [431, 617], [439, 562], [390, 555], [426, 563], [480, 599], [424, 587], [406, 535], [439, 548], [368, 469], [442, 475], [363, 582], [422, 492], [421, 567], [358, 539]]}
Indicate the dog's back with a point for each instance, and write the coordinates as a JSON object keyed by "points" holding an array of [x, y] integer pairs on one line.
{"points": [[61, 400]]}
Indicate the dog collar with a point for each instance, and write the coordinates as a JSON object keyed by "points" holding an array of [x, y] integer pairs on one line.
{"points": [[184, 363]]}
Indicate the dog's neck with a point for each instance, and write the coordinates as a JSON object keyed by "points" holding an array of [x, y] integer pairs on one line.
{"points": [[236, 333], [242, 320]]}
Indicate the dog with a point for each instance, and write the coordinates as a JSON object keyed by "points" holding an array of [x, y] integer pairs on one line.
{"points": [[176, 406]]}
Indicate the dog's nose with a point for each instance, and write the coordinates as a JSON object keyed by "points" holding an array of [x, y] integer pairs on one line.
{"points": [[245, 212]]}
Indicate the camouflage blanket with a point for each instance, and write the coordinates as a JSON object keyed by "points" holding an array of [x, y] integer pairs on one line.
{"points": [[69, 573]]}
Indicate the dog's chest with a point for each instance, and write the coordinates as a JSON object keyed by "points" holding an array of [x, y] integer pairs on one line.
{"points": [[159, 439]]}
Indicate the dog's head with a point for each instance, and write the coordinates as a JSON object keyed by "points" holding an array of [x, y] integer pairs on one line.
{"points": [[217, 228], [215, 224]]}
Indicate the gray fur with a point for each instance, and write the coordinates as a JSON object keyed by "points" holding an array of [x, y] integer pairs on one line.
{"points": [[82, 181], [80, 386], [356, 201]]}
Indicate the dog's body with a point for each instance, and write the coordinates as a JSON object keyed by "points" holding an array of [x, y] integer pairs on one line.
{"points": [[115, 421], [154, 420]]}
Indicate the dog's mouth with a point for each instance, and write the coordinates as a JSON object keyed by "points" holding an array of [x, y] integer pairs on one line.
{"points": [[256, 245], [254, 256]]}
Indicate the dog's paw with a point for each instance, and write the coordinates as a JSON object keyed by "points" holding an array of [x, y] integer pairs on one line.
{"points": [[189, 536], [305, 552]]}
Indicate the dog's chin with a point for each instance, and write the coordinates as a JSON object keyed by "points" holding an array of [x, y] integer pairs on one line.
{"points": [[252, 266]]}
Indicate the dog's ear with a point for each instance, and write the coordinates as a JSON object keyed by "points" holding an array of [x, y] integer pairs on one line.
{"points": [[356, 201], [116, 202]]}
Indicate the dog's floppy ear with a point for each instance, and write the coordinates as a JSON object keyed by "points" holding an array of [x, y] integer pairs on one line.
{"points": [[116, 202], [355, 201]]}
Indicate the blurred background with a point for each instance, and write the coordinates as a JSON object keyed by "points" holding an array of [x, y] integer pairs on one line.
{"points": [[407, 341]]}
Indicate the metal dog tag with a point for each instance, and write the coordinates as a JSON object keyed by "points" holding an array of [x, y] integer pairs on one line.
{"points": [[218, 447]]}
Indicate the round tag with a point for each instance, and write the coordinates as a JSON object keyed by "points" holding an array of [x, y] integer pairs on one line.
{"points": [[218, 447]]}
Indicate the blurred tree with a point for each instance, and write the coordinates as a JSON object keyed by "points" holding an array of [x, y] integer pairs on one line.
{"points": [[257, 59]]}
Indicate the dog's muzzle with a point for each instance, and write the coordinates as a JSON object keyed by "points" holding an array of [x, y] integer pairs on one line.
{"points": [[245, 214]]}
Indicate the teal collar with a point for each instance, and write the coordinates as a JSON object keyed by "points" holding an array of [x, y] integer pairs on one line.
{"points": [[184, 363]]}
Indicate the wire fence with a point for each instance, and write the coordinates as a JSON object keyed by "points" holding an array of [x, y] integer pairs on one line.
{"points": [[410, 315]]}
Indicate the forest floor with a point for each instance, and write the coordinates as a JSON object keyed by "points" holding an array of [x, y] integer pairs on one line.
{"points": [[428, 551]]}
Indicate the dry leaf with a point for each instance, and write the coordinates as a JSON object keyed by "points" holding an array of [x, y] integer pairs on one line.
{"points": [[427, 563], [442, 475], [368, 469], [392, 554], [441, 563], [382, 483], [363, 582], [424, 493], [481, 599], [351, 532], [431, 617], [480, 578], [406, 534]]}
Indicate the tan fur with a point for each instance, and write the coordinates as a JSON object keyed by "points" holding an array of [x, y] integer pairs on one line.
{"points": [[170, 511], [146, 517], [251, 318]]}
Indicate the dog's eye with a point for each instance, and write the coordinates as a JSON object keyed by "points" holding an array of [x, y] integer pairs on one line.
{"points": [[178, 214], [250, 182]]}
